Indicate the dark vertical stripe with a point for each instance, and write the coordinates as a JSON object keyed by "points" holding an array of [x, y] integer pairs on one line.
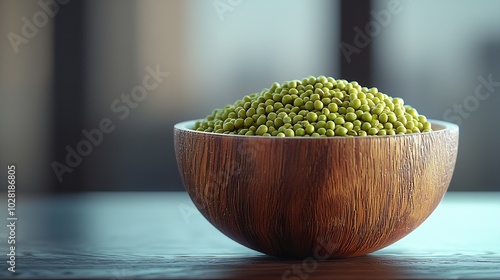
{"points": [[356, 14], [68, 89]]}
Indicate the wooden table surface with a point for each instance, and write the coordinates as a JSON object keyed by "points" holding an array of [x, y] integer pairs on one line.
{"points": [[162, 236]]}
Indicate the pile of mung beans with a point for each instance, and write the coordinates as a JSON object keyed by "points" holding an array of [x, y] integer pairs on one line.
{"points": [[316, 107]]}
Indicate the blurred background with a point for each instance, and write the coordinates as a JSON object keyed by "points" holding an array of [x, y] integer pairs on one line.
{"points": [[109, 79]]}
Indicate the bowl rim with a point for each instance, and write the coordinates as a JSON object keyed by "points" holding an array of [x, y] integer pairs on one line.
{"points": [[438, 126]]}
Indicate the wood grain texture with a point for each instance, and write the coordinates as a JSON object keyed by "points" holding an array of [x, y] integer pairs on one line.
{"points": [[321, 198]]}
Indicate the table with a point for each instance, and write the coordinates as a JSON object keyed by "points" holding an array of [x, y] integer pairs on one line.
{"points": [[160, 235]]}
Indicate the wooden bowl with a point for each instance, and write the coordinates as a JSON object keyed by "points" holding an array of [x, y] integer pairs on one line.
{"points": [[316, 197]]}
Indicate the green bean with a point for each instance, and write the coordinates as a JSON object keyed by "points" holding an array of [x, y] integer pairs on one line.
{"points": [[341, 131], [317, 107], [311, 116], [351, 117], [348, 125], [300, 132], [298, 102], [289, 132], [339, 120]]}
